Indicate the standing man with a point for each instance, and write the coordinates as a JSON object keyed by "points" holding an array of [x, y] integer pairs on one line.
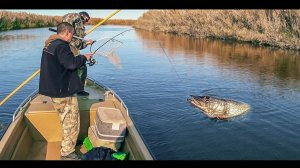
{"points": [[78, 20], [60, 81]]}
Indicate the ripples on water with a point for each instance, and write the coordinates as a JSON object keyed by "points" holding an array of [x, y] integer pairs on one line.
{"points": [[160, 71]]}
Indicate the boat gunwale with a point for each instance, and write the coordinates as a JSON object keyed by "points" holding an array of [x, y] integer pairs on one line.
{"points": [[123, 104], [21, 107], [26, 102]]}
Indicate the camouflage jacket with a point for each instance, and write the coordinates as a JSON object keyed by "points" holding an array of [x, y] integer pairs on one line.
{"points": [[75, 20]]}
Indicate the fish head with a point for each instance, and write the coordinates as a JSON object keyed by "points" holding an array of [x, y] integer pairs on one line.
{"points": [[199, 101], [201, 98]]}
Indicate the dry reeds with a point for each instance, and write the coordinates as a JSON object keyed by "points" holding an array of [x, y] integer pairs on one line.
{"points": [[15, 20], [19, 20], [278, 28]]}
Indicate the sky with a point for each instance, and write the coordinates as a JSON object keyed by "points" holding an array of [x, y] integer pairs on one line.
{"points": [[123, 14]]}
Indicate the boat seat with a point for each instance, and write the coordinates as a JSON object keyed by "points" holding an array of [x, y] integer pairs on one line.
{"points": [[41, 104], [43, 120], [41, 98]]}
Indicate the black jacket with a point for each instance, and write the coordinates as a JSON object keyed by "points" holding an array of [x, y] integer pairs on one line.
{"points": [[59, 77]]}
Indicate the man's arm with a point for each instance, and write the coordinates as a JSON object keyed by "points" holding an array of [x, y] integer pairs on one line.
{"points": [[80, 32], [67, 59]]}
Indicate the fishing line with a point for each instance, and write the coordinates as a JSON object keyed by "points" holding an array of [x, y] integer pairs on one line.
{"points": [[172, 65]]}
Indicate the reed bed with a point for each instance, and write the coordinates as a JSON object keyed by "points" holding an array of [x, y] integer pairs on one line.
{"points": [[20, 20], [276, 28]]}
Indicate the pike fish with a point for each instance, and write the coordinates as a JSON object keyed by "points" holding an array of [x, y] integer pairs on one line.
{"points": [[218, 108]]}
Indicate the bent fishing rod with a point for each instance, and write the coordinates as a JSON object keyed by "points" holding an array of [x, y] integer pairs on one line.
{"points": [[93, 61], [51, 29], [38, 71], [111, 39]]}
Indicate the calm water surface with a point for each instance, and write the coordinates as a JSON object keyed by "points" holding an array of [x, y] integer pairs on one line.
{"points": [[159, 71]]}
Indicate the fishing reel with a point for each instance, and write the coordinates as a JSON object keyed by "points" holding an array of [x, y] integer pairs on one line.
{"points": [[92, 62]]}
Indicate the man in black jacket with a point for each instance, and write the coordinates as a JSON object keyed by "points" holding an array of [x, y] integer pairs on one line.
{"points": [[78, 20], [59, 80]]}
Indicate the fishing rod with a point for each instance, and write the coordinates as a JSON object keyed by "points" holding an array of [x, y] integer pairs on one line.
{"points": [[54, 30], [112, 39], [93, 61], [51, 29], [39, 70], [104, 20]]}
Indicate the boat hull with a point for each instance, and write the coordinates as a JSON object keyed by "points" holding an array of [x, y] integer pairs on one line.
{"points": [[35, 132]]}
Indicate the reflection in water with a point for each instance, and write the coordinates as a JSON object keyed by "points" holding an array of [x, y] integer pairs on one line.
{"points": [[264, 78], [16, 37], [284, 64]]}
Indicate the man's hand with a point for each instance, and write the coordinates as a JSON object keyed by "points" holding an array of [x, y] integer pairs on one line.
{"points": [[89, 41], [88, 56]]}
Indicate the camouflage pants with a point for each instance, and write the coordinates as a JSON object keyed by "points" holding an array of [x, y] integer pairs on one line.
{"points": [[67, 109]]}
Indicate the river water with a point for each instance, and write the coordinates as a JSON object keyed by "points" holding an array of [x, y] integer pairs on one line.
{"points": [[157, 73]]}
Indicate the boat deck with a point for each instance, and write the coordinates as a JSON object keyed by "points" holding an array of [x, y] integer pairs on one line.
{"points": [[44, 151], [35, 133], [44, 127]]}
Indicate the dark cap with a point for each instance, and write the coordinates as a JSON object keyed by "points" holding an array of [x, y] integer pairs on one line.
{"points": [[84, 13]]}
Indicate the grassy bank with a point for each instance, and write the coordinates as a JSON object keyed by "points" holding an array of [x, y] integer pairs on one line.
{"points": [[278, 28], [20, 20]]}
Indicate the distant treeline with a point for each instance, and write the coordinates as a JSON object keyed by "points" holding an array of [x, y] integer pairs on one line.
{"points": [[278, 28], [20, 20]]}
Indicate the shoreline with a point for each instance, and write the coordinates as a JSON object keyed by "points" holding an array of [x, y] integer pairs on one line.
{"points": [[267, 28]]}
